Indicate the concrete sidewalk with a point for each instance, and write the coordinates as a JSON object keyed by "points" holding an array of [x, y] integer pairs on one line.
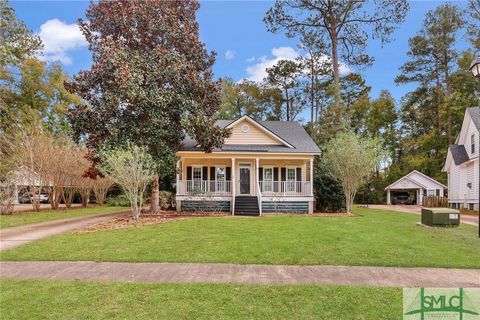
{"points": [[16, 236], [241, 274]]}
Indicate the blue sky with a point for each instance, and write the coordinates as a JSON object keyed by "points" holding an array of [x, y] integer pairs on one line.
{"points": [[234, 29]]}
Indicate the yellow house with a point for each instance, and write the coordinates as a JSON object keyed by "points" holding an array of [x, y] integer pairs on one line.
{"points": [[264, 166]]}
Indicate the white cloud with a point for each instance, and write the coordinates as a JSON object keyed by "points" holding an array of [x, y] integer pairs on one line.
{"points": [[258, 71], [59, 38], [229, 54]]}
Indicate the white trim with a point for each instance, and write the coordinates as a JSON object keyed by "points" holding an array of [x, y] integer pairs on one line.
{"points": [[287, 198], [261, 127], [229, 153], [199, 198]]}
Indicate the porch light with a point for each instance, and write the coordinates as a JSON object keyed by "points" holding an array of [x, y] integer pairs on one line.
{"points": [[475, 67]]}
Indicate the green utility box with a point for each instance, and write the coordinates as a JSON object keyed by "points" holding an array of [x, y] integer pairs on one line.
{"points": [[440, 217]]}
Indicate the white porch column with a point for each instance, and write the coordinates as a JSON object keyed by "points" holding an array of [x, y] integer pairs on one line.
{"points": [[179, 187], [233, 182], [311, 177], [257, 174], [257, 185], [388, 197]]}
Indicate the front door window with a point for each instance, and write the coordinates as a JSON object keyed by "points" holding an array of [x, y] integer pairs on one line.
{"points": [[244, 180]]}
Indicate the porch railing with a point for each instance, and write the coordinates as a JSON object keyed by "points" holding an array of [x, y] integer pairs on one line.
{"points": [[224, 188], [285, 188], [202, 187]]}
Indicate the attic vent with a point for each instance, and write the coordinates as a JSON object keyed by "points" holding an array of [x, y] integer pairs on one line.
{"points": [[245, 128]]}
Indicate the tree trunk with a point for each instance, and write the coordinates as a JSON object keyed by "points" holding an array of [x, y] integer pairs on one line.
{"points": [[288, 103], [312, 103], [449, 112], [336, 68], [155, 200]]}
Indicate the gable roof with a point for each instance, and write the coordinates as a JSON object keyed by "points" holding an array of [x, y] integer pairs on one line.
{"points": [[459, 154], [409, 178], [475, 115], [261, 127], [291, 133]]}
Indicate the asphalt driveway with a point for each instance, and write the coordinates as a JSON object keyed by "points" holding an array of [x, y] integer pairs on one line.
{"points": [[467, 219]]}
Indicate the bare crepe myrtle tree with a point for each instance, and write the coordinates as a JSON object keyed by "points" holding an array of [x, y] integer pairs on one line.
{"points": [[352, 160], [132, 168], [27, 155], [100, 186]]}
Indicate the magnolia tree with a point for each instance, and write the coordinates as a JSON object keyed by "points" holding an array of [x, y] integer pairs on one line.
{"points": [[132, 168], [352, 160]]}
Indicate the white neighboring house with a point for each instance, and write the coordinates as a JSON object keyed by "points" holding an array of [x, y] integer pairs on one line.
{"points": [[417, 183], [462, 164]]}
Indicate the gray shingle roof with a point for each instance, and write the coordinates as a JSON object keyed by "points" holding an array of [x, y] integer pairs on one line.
{"points": [[290, 131], [459, 154], [475, 114]]}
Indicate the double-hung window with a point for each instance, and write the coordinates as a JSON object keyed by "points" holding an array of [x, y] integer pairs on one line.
{"points": [[431, 192], [291, 179], [197, 178], [268, 179], [220, 178]]}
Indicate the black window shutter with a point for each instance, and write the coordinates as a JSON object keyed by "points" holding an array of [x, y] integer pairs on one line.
{"points": [[260, 174], [212, 173], [205, 173], [299, 178], [275, 178], [284, 174], [425, 192], [228, 173], [189, 173], [438, 192]]}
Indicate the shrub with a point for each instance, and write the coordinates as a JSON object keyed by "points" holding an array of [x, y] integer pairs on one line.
{"points": [[118, 201], [164, 199]]}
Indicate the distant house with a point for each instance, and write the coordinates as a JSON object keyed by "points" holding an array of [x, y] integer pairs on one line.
{"points": [[411, 188], [264, 166], [462, 164]]}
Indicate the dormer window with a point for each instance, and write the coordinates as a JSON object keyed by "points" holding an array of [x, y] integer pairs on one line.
{"points": [[473, 143]]}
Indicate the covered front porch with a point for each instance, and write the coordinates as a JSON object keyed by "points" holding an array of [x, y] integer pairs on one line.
{"points": [[267, 179]]}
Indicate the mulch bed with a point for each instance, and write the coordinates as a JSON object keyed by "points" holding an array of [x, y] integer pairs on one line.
{"points": [[148, 219], [161, 217]]}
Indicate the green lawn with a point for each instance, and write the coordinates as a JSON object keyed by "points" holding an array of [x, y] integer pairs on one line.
{"points": [[106, 300], [22, 218], [375, 237]]}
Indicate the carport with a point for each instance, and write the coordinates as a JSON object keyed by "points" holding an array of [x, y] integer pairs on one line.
{"points": [[418, 184]]}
